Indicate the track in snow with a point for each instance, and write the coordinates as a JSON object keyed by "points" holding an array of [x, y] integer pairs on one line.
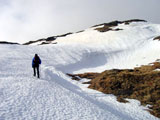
{"points": [[54, 96], [51, 97]]}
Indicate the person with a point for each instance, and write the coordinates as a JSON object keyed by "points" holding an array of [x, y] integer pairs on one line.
{"points": [[35, 64]]}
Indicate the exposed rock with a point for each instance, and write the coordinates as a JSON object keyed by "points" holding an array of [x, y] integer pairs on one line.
{"points": [[109, 26], [80, 31], [47, 40], [117, 29], [78, 77], [133, 20], [89, 82], [51, 38], [31, 42], [44, 43], [54, 43], [64, 35], [85, 75], [104, 29], [55, 37], [74, 77], [157, 38], [4, 42]]}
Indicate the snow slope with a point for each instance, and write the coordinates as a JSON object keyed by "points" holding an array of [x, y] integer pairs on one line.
{"points": [[130, 47], [55, 96]]}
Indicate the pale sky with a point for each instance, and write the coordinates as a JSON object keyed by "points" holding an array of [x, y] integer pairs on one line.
{"points": [[25, 20]]}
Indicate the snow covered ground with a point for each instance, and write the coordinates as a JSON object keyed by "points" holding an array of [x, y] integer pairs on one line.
{"points": [[55, 96]]}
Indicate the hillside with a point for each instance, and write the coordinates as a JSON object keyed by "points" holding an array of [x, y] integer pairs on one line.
{"points": [[104, 47], [141, 83]]}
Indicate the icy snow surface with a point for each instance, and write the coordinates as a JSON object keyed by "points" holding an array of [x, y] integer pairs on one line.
{"points": [[55, 96]]}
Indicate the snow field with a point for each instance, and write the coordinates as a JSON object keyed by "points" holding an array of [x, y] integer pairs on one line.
{"points": [[55, 96]]}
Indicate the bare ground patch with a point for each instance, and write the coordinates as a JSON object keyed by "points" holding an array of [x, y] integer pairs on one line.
{"points": [[141, 83], [157, 38], [109, 26]]}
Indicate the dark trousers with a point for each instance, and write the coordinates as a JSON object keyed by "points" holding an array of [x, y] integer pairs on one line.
{"points": [[36, 69]]}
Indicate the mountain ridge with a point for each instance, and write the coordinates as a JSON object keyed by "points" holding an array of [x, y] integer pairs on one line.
{"points": [[106, 27]]}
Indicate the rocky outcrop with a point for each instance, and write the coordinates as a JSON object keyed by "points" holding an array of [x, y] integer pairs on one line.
{"points": [[4, 42], [109, 26], [157, 38], [46, 40], [133, 20], [80, 31], [32, 42]]}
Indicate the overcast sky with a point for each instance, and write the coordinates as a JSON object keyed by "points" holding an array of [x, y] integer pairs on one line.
{"points": [[25, 20]]}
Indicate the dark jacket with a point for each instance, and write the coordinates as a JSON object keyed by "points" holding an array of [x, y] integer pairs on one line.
{"points": [[36, 61]]}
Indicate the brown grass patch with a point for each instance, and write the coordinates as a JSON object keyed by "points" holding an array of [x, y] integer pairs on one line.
{"points": [[109, 26], [141, 83], [84, 75]]}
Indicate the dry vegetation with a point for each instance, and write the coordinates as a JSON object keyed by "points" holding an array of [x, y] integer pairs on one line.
{"points": [[47, 40], [109, 26], [85, 75], [141, 83]]}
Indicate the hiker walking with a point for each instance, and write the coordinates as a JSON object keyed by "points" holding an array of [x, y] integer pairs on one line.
{"points": [[35, 64]]}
